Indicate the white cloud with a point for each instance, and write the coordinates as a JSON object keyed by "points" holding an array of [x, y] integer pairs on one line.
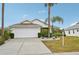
{"points": [[41, 11], [24, 16]]}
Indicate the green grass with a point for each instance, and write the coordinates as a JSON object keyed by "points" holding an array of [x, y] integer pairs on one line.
{"points": [[71, 45]]}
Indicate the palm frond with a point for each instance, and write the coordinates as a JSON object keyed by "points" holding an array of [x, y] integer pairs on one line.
{"points": [[49, 4], [57, 19], [45, 4]]}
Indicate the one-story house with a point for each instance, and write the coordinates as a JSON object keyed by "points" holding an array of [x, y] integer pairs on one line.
{"points": [[72, 30], [27, 28]]}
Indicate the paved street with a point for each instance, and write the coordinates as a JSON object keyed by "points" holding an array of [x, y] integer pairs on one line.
{"points": [[26, 46]]}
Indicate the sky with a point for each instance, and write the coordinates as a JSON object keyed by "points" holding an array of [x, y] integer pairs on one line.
{"points": [[18, 12]]}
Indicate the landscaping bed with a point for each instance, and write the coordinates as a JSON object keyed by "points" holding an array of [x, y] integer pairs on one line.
{"points": [[71, 45], [7, 35], [1, 40]]}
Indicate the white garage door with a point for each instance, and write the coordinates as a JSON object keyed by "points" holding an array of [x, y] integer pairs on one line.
{"points": [[26, 32]]}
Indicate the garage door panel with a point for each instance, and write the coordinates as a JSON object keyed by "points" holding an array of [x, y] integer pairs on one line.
{"points": [[26, 32]]}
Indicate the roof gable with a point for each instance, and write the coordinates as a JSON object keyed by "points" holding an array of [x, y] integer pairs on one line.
{"points": [[39, 21], [26, 22]]}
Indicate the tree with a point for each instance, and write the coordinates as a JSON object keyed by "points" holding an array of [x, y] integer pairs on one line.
{"points": [[2, 18], [55, 19], [49, 5]]}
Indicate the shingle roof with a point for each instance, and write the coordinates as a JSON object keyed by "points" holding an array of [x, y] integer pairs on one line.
{"points": [[24, 25], [76, 26], [29, 24], [40, 21], [26, 21]]}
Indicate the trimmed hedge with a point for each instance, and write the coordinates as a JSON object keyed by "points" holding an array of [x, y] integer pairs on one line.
{"points": [[12, 35], [44, 32], [57, 34], [51, 35], [39, 35], [44, 35]]}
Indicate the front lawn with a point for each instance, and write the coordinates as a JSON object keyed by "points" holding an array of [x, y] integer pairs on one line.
{"points": [[71, 45]]}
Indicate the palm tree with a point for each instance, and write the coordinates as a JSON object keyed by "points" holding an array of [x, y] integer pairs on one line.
{"points": [[60, 20], [55, 19], [49, 5], [2, 18]]}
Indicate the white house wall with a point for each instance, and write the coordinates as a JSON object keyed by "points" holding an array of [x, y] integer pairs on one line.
{"points": [[71, 33]]}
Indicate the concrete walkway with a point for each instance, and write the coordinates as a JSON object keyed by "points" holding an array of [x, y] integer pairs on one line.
{"points": [[28, 46]]}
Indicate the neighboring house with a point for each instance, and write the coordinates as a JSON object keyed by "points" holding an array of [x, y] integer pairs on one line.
{"points": [[27, 28], [72, 30]]}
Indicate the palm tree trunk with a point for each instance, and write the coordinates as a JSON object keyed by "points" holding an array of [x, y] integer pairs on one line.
{"points": [[2, 19], [49, 21], [52, 28]]}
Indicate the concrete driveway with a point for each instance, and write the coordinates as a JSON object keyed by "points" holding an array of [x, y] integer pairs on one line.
{"points": [[26, 46]]}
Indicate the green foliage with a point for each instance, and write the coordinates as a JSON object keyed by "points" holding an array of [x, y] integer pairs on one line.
{"points": [[44, 32], [50, 4], [6, 34], [57, 19], [39, 35], [11, 35], [2, 41], [57, 34]]}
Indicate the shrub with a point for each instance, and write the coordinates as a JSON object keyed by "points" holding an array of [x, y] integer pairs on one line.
{"points": [[51, 35], [6, 35], [57, 34], [2, 40], [43, 34], [44, 30], [39, 35], [11, 35]]}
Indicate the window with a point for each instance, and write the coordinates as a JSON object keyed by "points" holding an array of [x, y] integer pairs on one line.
{"points": [[73, 31], [69, 32], [77, 30]]}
